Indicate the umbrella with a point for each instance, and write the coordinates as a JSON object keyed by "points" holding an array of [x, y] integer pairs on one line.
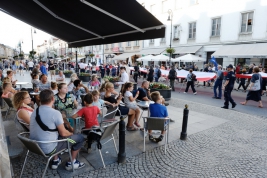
{"points": [[145, 58], [161, 57], [189, 58]]}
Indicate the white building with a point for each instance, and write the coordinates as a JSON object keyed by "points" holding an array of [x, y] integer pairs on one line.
{"points": [[203, 27]]}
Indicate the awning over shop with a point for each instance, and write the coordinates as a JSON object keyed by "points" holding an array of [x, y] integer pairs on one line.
{"points": [[114, 20], [153, 51], [257, 50], [124, 56], [185, 50]]}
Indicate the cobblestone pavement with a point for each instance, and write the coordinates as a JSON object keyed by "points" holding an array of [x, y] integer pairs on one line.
{"points": [[237, 148]]}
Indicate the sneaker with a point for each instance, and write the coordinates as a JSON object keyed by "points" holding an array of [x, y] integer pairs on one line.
{"points": [[225, 107], [166, 104], [56, 163], [214, 97], [185, 92], [159, 139], [151, 137], [195, 93], [77, 165]]}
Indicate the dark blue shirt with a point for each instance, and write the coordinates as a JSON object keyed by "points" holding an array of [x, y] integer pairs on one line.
{"points": [[158, 110], [231, 77]]}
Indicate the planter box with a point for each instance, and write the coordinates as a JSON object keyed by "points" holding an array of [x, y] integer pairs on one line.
{"points": [[67, 75], [85, 78], [166, 94]]}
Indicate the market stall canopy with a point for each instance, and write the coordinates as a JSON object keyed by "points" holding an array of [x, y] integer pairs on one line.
{"points": [[111, 21], [257, 50], [124, 56], [153, 51], [186, 50], [78, 59], [189, 58]]}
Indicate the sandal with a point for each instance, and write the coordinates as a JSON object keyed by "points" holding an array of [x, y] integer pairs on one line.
{"points": [[131, 128], [137, 124]]}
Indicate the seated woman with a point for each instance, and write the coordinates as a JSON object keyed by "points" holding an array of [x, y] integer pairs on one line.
{"points": [[102, 89], [94, 82], [129, 101], [109, 87], [21, 101], [79, 89], [8, 91]]}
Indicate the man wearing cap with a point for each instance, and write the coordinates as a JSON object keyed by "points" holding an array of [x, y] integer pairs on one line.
{"points": [[228, 87]]}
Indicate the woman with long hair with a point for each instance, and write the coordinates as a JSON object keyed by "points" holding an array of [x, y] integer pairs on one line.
{"points": [[109, 87], [254, 88], [20, 102]]}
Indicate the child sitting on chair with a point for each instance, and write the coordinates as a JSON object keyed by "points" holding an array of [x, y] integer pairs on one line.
{"points": [[157, 110]]}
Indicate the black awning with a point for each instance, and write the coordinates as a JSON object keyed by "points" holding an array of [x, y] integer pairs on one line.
{"points": [[91, 22]]}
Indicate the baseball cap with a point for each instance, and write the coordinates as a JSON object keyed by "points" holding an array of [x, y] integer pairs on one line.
{"points": [[230, 66]]}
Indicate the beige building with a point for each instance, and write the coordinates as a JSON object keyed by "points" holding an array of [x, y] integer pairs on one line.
{"points": [[6, 52]]}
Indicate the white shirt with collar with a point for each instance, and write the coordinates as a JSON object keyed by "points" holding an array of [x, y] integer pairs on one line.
{"points": [[124, 78]]}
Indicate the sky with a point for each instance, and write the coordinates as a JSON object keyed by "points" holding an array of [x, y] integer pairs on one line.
{"points": [[13, 30]]}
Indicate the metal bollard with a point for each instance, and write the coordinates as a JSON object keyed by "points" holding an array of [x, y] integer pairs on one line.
{"points": [[122, 154], [185, 120]]}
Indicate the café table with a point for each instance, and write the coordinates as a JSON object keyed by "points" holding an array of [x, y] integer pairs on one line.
{"points": [[21, 83], [69, 113], [144, 105]]}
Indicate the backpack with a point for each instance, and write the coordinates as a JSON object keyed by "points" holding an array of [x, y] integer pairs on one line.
{"points": [[94, 135], [172, 74], [159, 73], [193, 77]]}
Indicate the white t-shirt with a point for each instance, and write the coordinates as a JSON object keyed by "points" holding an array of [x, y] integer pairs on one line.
{"points": [[30, 64], [61, 78], [83, 65], [127, 101]]}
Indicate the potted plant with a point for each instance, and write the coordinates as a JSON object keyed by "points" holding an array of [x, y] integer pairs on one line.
{"points": [[112, 80], [163, 89], [67, 73], [170, 50], [85, 77], [21, 55], [91, 55]]}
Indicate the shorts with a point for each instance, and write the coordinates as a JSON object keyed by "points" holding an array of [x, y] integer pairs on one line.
{"points": [[30, 68], [52, 72], [124, 110], [76, 142]]}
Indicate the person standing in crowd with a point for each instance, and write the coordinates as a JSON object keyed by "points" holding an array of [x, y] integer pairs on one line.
{"points": [[14, 67], [21, 68], [102, 71], [52, 68], [136, 72], [228, 87], [36, 70], [237, 71], [150, 74], [124, 77], [249, 72], [113, 71], [43, 68], [218, 83], [206, 69], [82, 66], [263, 84], [254, 88], [190, 82], [157, 73], [242, 81], [127, 68], [172, 76], [30, 64]]}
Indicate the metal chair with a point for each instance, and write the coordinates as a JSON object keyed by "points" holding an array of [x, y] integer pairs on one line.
{"points": [[9, 105], [32, 146], [110, 116], [142, 108], [156, 123], [25, 126], [108, 132]]}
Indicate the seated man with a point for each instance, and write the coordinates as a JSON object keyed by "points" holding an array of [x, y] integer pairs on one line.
{"points": [[44, 83], [61, 77], [157, 110], [51, 118]]}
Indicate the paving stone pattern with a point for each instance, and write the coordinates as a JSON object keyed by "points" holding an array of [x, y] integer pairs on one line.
{"points": [[237, 148]]}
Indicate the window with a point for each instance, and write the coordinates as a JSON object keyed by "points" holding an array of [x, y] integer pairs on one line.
{"points": [[120, 45], [193, 2], [99, 47], [216, 27], [192, 30], [106, 46], [178, 4], [176, 32], [165, 6], [163, 40], [128, 43], [151, 41], [246, 24], [136, 43], [112, 45], [152, 9]]}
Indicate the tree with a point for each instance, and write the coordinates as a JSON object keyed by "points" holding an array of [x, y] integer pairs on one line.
{"points": [[32, 53]]}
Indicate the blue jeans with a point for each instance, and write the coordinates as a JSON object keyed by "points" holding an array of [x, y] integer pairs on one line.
{"points": [[156, 79], [218, 84]]}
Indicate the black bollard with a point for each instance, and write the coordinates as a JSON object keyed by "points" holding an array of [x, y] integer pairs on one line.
{"points": [[122, 154], [185, 120]]}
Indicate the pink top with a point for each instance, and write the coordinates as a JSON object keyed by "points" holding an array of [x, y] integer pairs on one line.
{"points": [[95, 83], [5, 95]]}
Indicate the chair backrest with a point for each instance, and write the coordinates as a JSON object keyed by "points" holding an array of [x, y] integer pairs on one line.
{"points": [[109, 129], [111, 112], [155, 123], [24, 126], [8, 102], [31, 145]]}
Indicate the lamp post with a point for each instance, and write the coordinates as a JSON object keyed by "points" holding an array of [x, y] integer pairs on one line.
{"points": [[32, 36], [20, 43], [170, 19]]}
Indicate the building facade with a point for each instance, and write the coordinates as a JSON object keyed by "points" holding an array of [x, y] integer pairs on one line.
{"points": [[202, 27], [6, 52]]}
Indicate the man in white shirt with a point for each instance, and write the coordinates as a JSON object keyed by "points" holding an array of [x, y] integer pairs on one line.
{"points": [[127, 68], [30, 64], [61, 77], [82, 67], [124, 77]]}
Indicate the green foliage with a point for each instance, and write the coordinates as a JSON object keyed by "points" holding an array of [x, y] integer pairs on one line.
{"points": [[158, 86], [91, 55], [67, 72], [84, 74], [170, 50], [112, 79]]}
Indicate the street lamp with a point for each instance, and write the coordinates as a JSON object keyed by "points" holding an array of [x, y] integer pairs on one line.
{"points": [[170, 19], [20, 43], [34, 31]]}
